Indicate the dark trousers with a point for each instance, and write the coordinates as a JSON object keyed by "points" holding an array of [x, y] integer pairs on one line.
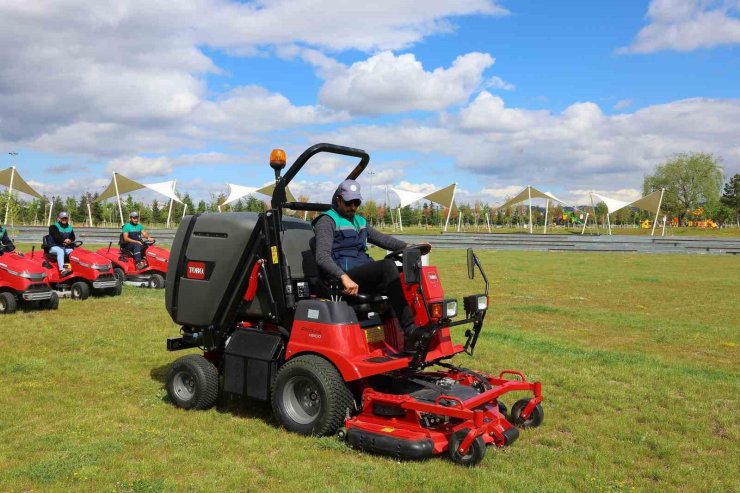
{"points": [[136, 249], [381, 277]]}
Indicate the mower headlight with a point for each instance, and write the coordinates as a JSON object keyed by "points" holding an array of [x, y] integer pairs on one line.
{"points": [[451, 308], [475, 303]]}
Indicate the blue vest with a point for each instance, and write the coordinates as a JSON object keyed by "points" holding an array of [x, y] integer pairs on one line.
{"points": [[349, 249]]}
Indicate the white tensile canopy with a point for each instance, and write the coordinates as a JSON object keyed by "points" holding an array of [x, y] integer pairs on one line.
{"points": [[528, 194], [237, 192], [443, 196], [13, 180], [120, 184], [650, 203]]}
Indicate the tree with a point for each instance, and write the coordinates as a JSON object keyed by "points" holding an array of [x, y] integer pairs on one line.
{"points": [[731, 197], [690, 181]]}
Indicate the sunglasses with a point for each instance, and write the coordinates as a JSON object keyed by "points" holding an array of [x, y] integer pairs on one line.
{"points": [[355, 202]]}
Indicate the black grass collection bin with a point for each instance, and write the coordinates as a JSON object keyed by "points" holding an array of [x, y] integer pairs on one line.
{"points": [[250, 362]]}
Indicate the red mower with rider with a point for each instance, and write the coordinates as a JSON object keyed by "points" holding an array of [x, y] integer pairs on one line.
{"points": [[72, 271], [22, 282], [137, 261], [247, 290]]}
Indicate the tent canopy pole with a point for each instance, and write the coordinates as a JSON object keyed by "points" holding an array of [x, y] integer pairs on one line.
{"points": [[660, 202], [118, 197], [10, 194]]}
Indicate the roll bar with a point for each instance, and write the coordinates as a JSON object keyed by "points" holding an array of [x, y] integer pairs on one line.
{"points": [[278, 195]]}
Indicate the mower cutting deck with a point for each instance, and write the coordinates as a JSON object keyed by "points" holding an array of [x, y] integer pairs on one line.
{"points": [[246, 290]]}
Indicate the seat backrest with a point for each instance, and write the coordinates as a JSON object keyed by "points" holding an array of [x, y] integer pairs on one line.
{"points": [[46, 243]]}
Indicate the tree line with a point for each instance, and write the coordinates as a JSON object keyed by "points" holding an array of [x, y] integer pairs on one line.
{"points": [[692, 182]]}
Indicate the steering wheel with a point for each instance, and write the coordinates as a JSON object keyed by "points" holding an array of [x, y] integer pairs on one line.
{"points": [[149, 242], [398, 254], [76, 244]]}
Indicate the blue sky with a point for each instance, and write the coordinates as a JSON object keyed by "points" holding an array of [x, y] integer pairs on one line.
{"points": [[566, 96]]}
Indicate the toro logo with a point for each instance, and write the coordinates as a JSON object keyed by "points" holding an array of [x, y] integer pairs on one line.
{"points": [[196, 270]]}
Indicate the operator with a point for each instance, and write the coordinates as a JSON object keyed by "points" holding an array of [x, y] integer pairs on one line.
{"points": [[62, 236], [133, 239], [341, 251], [7, 243]]}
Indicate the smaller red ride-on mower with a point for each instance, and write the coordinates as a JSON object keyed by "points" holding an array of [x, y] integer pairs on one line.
{"points": [[23, 284], [89, 273], [246, 289], [124, 265]]}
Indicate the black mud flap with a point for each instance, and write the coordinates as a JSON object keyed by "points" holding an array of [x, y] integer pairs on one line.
{"points": [[390, 446]]}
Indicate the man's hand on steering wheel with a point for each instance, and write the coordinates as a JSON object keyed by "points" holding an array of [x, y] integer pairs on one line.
{"points": [[350, 287]]}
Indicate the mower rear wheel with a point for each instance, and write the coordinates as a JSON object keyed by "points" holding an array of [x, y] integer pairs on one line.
{"points": [[80, 290], [309, 396], [535, 417], [119, 274], [475, 453], [8, 303], [156, 281], [52, 303], [192, 382]]}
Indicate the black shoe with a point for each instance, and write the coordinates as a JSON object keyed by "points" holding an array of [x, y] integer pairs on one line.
{"points": [[65, 273]]}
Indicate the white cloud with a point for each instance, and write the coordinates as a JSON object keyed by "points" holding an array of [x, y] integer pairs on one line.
{"points": [[386, 83], [496, 82], [138, 167], [578, 148], [687, 25], [116, 78]]}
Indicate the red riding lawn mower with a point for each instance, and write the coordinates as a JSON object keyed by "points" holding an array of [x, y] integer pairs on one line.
{"points": [[89, 273], [23, 284], [246, 289], [124, 265]]}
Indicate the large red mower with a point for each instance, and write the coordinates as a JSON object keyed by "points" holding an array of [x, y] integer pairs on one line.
{"points": [[246, 290]]}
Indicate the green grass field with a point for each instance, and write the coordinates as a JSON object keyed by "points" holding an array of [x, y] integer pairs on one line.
{"points": [[638, 356]]}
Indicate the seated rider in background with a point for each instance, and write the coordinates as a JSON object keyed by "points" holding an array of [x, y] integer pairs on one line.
{"points": [[341, 252], [7, 243], [133, 240], [62, 236]]}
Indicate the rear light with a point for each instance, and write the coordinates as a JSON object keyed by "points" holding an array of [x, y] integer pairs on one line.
{"points": [[435, 310], [445, 309]]}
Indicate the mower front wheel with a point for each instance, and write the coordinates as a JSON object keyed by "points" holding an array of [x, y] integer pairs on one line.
{"points": [[119, 274], [535, 417], [309, 396], [8, 303], [475, 453], [52, 303], [192, 382]]}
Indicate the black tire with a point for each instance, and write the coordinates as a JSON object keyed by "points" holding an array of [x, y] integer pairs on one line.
{"points": [[475, 453], [80, 290], [192, 382], [52, 303], [115, 291], [309, 396], [502, 409], [156, 281], [535, 417], [8, 303], [119, 274]]}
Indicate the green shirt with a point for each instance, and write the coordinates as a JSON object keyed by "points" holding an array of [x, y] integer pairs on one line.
{"points": [[132, 228]]}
